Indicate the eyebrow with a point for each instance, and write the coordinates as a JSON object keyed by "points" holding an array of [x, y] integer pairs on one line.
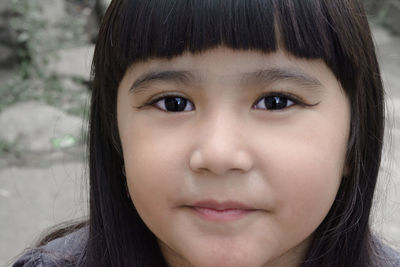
{"points": [[280, 74], [269, 75], [183, 77]]}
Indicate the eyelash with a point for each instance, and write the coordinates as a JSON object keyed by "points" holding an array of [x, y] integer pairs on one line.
{"points": [[287, 97]]}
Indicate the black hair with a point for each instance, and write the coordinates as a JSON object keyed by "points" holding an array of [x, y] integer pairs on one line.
{"points": [[336, 32]]}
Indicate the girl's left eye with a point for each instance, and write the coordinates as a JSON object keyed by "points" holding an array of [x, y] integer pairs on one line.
{"points": [[274, 102]]}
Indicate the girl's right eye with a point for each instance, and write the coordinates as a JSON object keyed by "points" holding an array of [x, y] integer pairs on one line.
{"points": [[173, 104]]}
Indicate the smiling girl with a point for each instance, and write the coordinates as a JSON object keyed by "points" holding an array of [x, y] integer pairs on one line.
{"points": [[230, 133]]}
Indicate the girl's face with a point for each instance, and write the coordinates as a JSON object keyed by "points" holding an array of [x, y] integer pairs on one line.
{"points": [[233, 158]]}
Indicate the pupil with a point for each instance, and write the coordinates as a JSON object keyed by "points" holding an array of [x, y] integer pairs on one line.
{"points": [[275, 102], [175, 104]]}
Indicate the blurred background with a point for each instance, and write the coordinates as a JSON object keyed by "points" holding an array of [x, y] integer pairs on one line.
{"points": [[46, 47]]}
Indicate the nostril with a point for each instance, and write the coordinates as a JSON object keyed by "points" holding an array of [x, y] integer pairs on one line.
{"points": [[202, 170], [236, 169]]}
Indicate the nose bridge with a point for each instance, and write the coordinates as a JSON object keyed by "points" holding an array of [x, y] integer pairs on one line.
{"points": [[218, 129], [220, 147]]}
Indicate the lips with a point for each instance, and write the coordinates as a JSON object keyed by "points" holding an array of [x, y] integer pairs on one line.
{"points": [[226, 211], [225, 205]]}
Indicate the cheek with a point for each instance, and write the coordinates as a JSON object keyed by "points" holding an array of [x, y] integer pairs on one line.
{"points": [[307, 188], [304, 165], [152, 170], [313, 166]]}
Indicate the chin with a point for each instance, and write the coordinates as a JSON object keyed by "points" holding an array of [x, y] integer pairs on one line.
{"points": [[228, 258]]}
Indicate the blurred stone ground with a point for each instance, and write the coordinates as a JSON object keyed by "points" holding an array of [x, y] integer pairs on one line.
{"points": [[42, 154]]}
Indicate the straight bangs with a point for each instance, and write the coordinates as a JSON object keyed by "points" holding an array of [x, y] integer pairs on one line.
{"points": [[142, 29]]}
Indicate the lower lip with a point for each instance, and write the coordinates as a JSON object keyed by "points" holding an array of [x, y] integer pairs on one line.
{"points": [[221, 215]]}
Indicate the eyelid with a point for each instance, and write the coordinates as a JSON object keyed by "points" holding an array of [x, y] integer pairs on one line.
{"points": [[153, 100], [158, 97], [295, 99], [278, 94]]}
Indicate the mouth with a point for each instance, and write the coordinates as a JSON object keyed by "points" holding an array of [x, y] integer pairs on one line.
{"points": [[226, 211]]}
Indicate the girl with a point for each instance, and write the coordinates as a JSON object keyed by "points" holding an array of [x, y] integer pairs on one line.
{"points": [[230, 133]]}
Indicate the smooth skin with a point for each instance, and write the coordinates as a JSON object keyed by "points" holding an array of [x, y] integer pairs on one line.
{"points": [[269, 131]]}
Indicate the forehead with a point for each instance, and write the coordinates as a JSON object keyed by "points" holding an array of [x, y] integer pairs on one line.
{"points": [[225, 64], [220, 58]]}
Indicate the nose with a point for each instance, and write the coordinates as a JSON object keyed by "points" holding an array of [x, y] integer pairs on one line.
{"points": [[221, 147]]}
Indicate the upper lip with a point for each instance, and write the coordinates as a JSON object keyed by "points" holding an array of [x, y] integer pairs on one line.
{"points": [[221, 205]]}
